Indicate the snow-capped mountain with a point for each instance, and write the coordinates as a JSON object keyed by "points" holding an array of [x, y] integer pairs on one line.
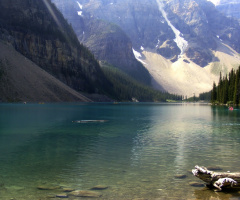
{"points": [[183, 44]]}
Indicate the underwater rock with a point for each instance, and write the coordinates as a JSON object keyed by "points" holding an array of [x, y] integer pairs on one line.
{"points": [[44, 187], [62, 195], [51, 196], [85, 193], [15, 188], [196, 184], [180, 176], [99, 187], [68, 189]]}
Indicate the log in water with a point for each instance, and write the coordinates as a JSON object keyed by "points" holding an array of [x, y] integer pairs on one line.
{"points": [[218, 180]]}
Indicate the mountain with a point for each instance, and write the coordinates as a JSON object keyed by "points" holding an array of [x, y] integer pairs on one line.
{"points": [[38, 31], [42, 59], [229, 7], [106, 40], [183, 44]]}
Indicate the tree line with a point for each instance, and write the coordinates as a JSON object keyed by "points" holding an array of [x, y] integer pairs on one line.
{"points": [[228, 89]]}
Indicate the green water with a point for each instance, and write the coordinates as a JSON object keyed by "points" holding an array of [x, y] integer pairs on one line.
{"points": [[136, 152]]}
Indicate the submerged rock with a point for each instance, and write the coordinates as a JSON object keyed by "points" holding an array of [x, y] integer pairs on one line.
{"points": [[68, 189], [62, 195], [180, 176], [51, 196], [15, 188], [85, 193], [99, 187], [44, 187], [196, 184]]}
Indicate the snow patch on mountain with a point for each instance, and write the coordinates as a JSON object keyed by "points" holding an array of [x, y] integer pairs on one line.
{"points": [[138, 56], [81, 7], [215, 2], [180, 41]]}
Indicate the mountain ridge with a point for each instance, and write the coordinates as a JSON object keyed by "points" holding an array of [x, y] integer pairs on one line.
{"points": [[158, 29]]}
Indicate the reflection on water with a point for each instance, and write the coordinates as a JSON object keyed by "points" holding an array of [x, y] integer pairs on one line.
{"points": [[135, 149]]}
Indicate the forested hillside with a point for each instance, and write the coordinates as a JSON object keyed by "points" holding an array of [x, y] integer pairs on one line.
{"points": [[128, 89]]}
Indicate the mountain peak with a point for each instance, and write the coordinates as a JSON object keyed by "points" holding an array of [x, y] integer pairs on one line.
{"points": [[215, 2]]}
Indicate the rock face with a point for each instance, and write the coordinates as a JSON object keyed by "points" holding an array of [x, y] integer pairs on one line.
{"points": [[156, 25], [22, 80], [203, 26], [106, 40], [38, 31]]}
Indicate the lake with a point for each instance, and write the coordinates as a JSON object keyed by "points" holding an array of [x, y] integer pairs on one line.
{"points": [[135, 149]]}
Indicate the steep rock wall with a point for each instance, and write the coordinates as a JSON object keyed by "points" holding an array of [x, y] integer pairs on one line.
{"points": [[38, 31]]}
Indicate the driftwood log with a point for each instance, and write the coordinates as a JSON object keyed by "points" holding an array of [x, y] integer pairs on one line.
{"points": [[218, 180]]}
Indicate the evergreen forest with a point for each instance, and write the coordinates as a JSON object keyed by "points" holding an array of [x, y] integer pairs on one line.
{"points": [[228, 89], [125, 88]]}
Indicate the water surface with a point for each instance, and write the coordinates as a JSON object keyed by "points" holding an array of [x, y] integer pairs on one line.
{"points": [[137, 150]]}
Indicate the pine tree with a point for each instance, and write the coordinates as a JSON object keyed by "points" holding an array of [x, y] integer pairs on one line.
{"points": [[236, 88], [225, 88], [214, 93], [219, 88], [231, 87]]}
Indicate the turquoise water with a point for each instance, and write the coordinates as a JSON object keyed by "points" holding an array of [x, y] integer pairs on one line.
{"points": [[136, 151]]}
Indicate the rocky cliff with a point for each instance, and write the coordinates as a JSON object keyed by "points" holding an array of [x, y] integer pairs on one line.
{"points": [[106, 40], [164, 26], [38, 31], [21, 80]]}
